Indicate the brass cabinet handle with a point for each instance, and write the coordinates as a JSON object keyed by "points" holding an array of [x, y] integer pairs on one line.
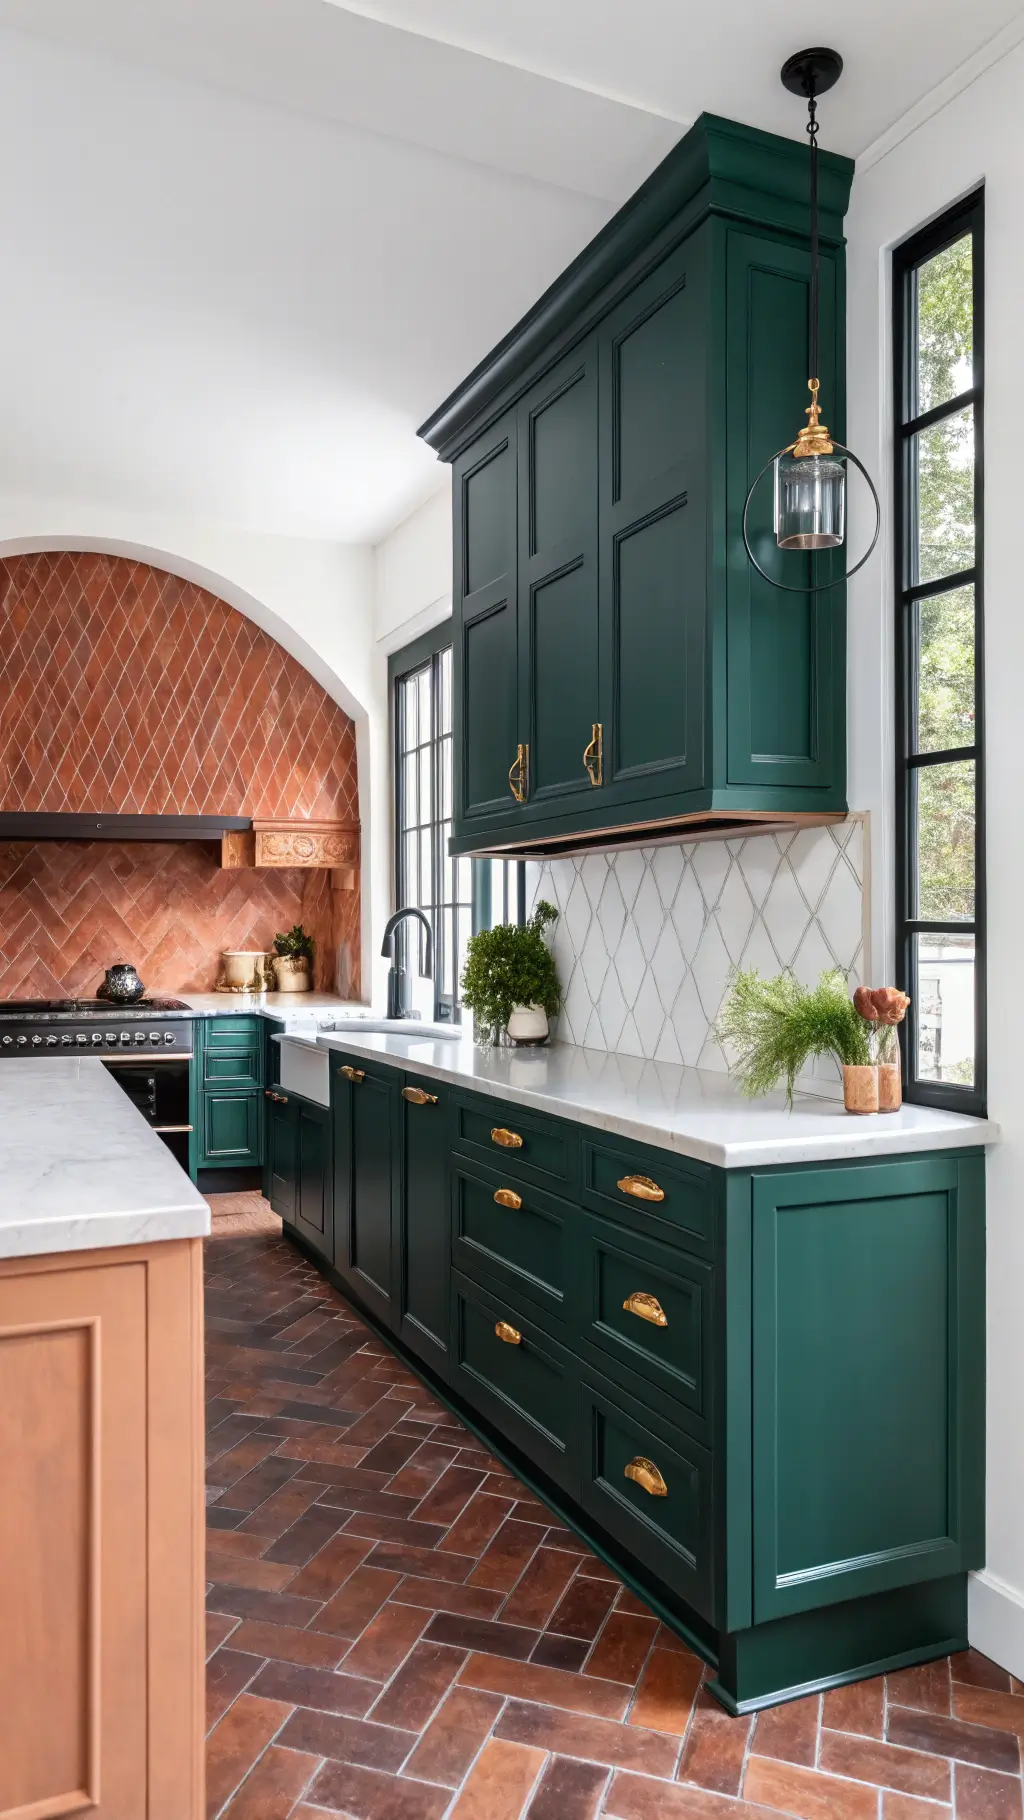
{"points": [[509, 1140], [281, 1098], [641, 1188], [417, 1097], [507, 1197], [519, 773], [510, 1335], [644, 1473], [352, 1074], [647, 1307], [593, 754]]}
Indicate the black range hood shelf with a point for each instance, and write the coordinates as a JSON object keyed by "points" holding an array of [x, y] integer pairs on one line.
{"points": [[28, 826]]}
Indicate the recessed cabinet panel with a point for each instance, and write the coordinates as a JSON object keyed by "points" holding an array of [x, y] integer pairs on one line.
{"points": [[282, 1157], [563, 466], [522, 1381], [518, 1234], [231, 1127], [425, 1225], [648, 1308], [488, 698], [564, 654], [659, 613], [657, 397], [487, 524]]}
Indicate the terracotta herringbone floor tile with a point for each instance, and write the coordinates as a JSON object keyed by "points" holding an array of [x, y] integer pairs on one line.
{"points": [[399, 1630]]}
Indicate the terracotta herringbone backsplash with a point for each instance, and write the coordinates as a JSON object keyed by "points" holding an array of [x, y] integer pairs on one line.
{"points": [[129, 691], [126, 690], [68, 909]]}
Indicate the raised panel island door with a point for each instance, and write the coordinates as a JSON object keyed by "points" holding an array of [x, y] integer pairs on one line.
{"points": [[363, 1103], [868, 1387], [653, 353], [101, 1535], [314, 1199], [485, 638], [281, 1161], [786, 651], [558, 645], [424, 1270]]}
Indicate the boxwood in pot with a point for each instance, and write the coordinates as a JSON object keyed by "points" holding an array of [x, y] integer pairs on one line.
{"points": [[509, 967]]}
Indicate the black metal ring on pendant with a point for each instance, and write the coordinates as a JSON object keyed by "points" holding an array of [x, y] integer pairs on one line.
{"points": [[822, 587]]}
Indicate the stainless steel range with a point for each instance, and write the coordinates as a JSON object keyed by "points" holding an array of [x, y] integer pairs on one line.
{"points": [[146, 1046]]}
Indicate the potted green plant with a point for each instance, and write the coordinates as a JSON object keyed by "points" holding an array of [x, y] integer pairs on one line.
{"points": [[775, 1026], [292, 960], [510, 981]]}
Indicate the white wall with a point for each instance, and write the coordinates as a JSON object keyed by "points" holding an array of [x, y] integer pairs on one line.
{"points": [[413, 570], [979, 134], [315, 598]]}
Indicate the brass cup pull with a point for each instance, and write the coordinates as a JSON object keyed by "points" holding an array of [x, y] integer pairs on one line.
{"points": [[647, 1307], [417, 1097], [593, 754], [507, 1197], [352, 1074], [280, 1098], [641, 1188], [510, 1335], [509, 1140], [644, 1473], [519, 773]]}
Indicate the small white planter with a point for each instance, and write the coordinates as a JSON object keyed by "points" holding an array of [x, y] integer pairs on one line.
{"points": [[528, 1025], [292, 973]]}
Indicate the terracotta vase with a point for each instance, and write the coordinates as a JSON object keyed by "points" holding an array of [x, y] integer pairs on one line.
{"points": [[890, 1087], [860, 1087]]}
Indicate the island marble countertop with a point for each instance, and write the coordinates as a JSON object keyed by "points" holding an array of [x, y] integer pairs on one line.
{"points": [[691, 1111], [80, 1168]]}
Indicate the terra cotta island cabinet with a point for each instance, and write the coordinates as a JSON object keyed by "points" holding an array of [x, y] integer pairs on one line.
{"points": [[101, 1438]]}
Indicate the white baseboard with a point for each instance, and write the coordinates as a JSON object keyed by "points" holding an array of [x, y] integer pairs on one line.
{"points": [[995, 1620]]}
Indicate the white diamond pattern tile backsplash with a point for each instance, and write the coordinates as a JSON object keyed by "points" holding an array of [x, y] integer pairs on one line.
{"points": [[647, 939]]}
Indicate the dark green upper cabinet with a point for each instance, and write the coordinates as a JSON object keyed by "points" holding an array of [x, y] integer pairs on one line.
{"points": [[615, 652]]}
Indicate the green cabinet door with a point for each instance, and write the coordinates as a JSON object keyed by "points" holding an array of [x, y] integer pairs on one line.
{"points": [[557, 574], [363, 1103], [424, 1255], [868, 1387], [280, 1166], [485, 661], [654, 459], [231, 1129], [314, 1188], [785, 674]]}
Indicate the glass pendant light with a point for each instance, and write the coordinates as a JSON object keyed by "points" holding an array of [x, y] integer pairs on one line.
{"points": [[810, 473]]}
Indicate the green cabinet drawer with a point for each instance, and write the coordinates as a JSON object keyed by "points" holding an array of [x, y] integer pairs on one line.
{"points": [[651, 1488], [233, 1067], [232, 1032], [657, 1190], [524, 1383], [231, 1128], [528, 1147], [646, 1309], [520, 1235]]}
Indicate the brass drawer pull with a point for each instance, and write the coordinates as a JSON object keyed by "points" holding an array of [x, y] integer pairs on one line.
{"points": [[352, 1074], [281, 1098], [644, 1473], [507, 1197], [647, 1307], [641, 1188], [519, 774], [509, 1140], [593, 754], [417, 1097], [510, 1335]]}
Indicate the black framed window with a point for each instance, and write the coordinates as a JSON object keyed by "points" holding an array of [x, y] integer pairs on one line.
{"points": [[938, 343], [458, 895]]}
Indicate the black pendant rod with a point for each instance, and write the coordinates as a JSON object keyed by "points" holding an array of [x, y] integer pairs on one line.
{"points": [[812, 129]]}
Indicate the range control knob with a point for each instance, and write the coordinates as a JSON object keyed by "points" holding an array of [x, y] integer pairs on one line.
{"points": [[51, 1042], [126, 1036], [140, 1036], [80, 1038], [22, 1040], [8, 1040], [97, 1036], [111, 1036], [36, 1040], [66, 1039], [168, 1036], [154, 1036]]}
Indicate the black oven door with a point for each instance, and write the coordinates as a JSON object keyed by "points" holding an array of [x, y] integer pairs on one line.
{"points": [[158, 1087]]}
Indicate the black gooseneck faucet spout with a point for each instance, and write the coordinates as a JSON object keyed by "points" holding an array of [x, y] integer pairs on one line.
{"points": [[396, 975]]}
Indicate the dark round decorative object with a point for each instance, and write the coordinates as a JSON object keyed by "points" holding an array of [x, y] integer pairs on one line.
{"points": [[814, 71], [122, 984]]}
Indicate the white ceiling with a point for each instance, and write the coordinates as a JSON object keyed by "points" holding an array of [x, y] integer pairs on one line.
{"points": [[251, 243]]}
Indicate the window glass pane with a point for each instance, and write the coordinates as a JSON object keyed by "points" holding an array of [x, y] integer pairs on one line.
{"points": [[945, 327], [426, 869], [409, 804], [942, 479], [945, 841], [944, 1011], [424, 680], [410, 717], [409, 882], [426, 798], [945, 670]]}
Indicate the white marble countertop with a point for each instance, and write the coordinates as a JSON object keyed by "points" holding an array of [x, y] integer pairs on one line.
{"points": [[268, 1004], [694, 1112], [79, 1166]]}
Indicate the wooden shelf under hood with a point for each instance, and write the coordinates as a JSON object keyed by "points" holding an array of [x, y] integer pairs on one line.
{"points": [[331, 846]]}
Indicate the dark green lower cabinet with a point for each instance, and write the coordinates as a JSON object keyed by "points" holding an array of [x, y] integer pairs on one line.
{"points": [[227, 1093], [280, 1164], [761, 1396], [230, 1129], [298, 1178]]}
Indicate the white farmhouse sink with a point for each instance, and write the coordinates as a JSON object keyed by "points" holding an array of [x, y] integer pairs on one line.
{"points": [[305, 1069], [393, 1026]]}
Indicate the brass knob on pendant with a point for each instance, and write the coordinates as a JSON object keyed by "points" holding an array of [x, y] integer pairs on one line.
{"points": [[647, 1307], [417, 1097], [352, 1074], [641, 1188], [507, 1197], [510, 1335], [644, 1473], [509, 1140]]}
